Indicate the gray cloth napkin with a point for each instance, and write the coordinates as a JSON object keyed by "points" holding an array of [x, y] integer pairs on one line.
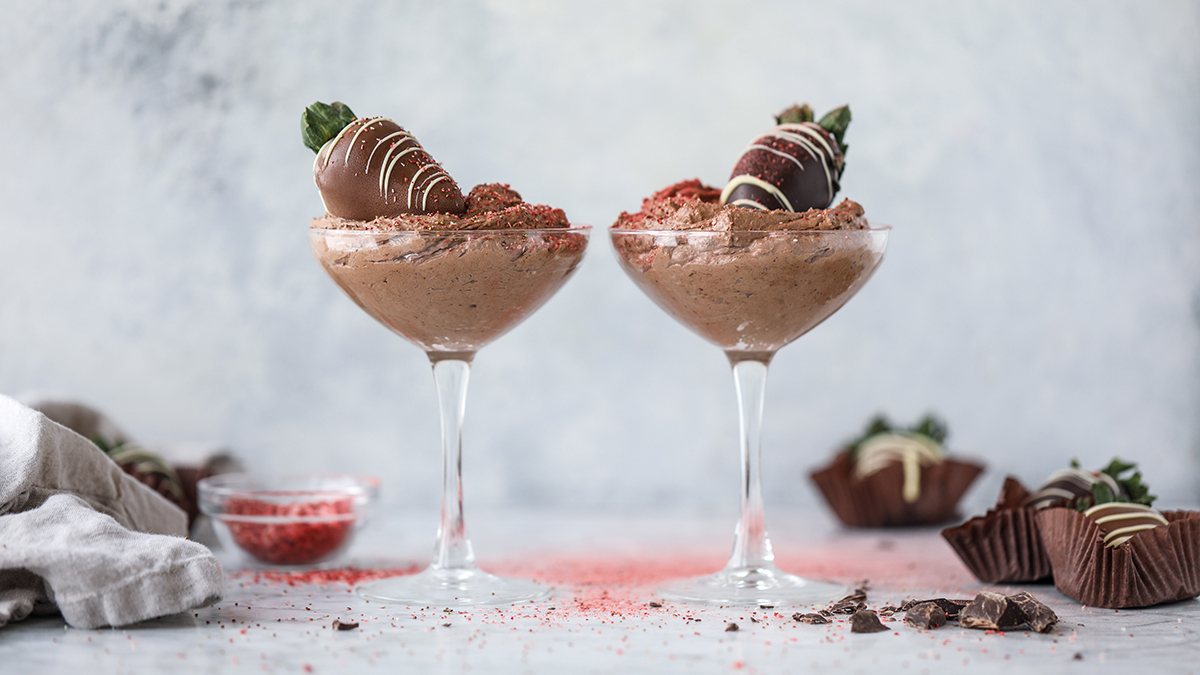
{"points": [[79, 535]]}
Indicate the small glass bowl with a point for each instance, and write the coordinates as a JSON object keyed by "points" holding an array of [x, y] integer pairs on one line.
{"points": [[300, 519]]}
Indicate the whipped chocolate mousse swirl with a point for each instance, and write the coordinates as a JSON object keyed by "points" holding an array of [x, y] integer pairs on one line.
{"points": [[795, 166], [371, 167]]}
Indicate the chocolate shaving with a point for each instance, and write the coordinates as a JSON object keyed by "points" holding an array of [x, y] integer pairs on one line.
{"points": [[731, 627], [810, 618], [926, 615], [338, 625], [865, 621]]}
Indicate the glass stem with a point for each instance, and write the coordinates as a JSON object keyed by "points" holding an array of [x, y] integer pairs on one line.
{"points": [[751, 545], [453, 549]]}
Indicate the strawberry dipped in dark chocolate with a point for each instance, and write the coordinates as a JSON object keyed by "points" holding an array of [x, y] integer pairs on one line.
{"points": [[370, 167], [795, 166]]}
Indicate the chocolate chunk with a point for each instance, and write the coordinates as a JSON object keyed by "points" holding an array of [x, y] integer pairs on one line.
{"points": [[859, 595], [810, 618], [655, 604], [950, 607], [865, 621], [849, 604], [731, 627], [925, 616], [338, 625], [991, 611], [1040, 617], [845, 607]]}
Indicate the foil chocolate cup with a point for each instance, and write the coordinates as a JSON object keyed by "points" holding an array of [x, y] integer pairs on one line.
{"points": [[878, 500], [1003, 546], [1155, 566]]}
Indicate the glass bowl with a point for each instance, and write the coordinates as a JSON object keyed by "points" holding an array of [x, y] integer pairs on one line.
{"points": [[299, 519]]}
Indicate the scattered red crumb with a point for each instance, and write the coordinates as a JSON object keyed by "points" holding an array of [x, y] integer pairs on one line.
{"points": [[682, 191], [296, 543], [342, 575]]}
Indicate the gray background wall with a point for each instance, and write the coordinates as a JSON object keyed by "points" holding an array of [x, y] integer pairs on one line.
{"points": [[1040, 162]]}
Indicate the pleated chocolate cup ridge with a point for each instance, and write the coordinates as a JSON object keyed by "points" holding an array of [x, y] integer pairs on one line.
{"points": [[1153, 567], [1001, 546], [878, 501]]}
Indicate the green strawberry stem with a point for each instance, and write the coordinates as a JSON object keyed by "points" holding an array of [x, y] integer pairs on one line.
{"points": [[930, 426], [835, 122], [797, 114], [322, 121], [1133, 489]]}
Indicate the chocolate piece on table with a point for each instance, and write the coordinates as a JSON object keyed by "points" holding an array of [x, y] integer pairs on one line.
{"points": [[991, 611], [925, 616], [731, 627], [809, 618], [859, 595], [865, 621], [847, 606], [950, 607], [1039, 617], [795, 166]]}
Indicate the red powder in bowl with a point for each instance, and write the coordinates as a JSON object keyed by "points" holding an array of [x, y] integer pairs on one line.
{"points": [[318, 529]]}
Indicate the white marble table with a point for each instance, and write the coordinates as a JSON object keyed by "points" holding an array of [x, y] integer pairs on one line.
{"points": [[599, 620]]}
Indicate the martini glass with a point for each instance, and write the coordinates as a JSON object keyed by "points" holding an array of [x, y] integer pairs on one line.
{"points": [[750, 293], [450, 293]]}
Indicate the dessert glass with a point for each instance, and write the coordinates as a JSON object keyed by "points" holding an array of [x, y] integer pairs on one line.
{"points": [[450, 293], [750, 293]]}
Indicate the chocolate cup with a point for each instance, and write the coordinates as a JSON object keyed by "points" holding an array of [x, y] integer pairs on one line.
{"points": [[1003, 546], [878, 500], [1153, 567]]}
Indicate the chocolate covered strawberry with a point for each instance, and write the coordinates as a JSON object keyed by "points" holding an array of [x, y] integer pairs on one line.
{"points": [[795, 166], [370, 167]]}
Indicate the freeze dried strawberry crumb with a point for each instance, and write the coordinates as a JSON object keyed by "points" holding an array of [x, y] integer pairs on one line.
{"points": [[291, 543], [344, 575]]}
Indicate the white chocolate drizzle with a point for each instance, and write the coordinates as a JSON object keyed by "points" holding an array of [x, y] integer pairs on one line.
{"points": [[746, 179], [429, 187], [381, 141], [354, 139], [802, 135], [384, 177], [911, 450], [399, 144]]}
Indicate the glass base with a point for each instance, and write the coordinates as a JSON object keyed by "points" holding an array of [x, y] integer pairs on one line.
{"points": [[753, 586], [452, 588]]}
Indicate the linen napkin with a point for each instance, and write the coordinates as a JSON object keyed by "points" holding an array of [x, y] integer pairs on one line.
{"points": [[79, 535]]}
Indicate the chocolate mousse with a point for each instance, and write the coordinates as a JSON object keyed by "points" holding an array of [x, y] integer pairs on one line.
{"points": [[769, 259], [748, 280], [448, 272]]}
